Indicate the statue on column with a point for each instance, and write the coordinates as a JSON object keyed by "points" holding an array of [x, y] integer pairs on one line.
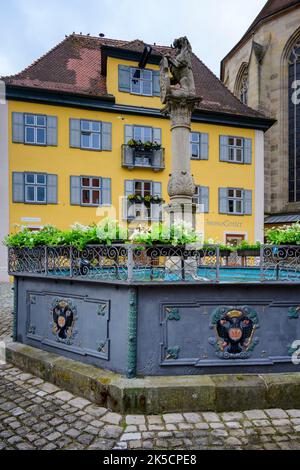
{"points": [[182, 84]]}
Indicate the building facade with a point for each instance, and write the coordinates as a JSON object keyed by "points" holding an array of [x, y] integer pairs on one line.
{"points": [[263, 71], [86, 136]]}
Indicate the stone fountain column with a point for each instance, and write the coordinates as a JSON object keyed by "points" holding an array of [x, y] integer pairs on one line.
{"points": [[181, 187]]}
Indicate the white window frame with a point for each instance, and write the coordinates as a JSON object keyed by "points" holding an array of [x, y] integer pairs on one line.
{"points": [[35, 185], [35, 126], [140, 81], [145, 209], [197, 143], [91, 189], [90, 133], [143, 140], [235, 200], [233, 150]]}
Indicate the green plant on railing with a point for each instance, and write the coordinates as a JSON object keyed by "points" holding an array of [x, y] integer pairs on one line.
{"points": [[244, 245], [147, 200], [286, 235], [180, 233], [141, 146]]}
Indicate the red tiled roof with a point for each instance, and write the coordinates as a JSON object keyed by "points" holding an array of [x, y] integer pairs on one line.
{"points": [[271, 8], [74, 66]]}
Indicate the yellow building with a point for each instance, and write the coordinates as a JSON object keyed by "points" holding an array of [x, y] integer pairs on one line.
{"points": [[84, 130]]}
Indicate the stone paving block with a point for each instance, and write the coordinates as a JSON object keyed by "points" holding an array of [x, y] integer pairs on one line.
{"points": [[80, 403], [192, 417], [211, 417], [276, 414], [294, 413], [64, 396], [48, 388], [131, 437], [95, 411], [132, 419], [255, 414], [280, 422], [172, 418], [112, 418]]}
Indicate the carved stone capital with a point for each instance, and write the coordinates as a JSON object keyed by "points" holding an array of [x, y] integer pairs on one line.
{"points": [[180, 108], [181, 184]]}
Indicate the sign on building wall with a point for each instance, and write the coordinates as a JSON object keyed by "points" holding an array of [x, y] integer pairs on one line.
{"points": [[294, 125]]}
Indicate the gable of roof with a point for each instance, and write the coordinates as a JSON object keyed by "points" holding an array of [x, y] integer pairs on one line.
{"points": [[271, 8], [75, 66]]}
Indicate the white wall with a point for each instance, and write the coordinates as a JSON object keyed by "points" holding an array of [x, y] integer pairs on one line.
{"points": [[259, 186], [4, 189]]}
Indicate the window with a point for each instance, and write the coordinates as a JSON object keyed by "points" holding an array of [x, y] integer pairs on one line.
{"points": [[144, 134], [35, 188], [141, 82], [235, 149], [235, 201], [201, 197], [195, 145], [90, 135], [35, 129], [137, 204], [243, 92], [294, 124], [90, 191], [199, 146]]}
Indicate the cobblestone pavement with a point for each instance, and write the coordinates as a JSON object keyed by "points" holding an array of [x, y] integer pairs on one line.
{"points": [[38, 415]]}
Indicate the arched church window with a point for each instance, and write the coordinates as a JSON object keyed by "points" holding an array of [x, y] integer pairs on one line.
{"points": [[294, 124], [244, 84]]}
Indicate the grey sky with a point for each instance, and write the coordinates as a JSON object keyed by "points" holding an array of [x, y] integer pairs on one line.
{"points": [[29, 28]]}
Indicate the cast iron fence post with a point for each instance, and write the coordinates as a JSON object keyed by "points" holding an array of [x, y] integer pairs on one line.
{"points": [[262, 259]]}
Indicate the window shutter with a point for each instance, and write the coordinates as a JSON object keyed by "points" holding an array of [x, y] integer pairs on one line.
{"points": [[129, 189], [156, 208], [51, 189], [75, 190], [156, 189], [157, 135], [106, 136], [223, 148], [156, 83], [18, 187], [18, 128], [248, 202], [124, 79], [128, 133], [204, 146], [248, 151], [106, 191], [223, 201], [75, 133], [52, 131], [204, 194]]}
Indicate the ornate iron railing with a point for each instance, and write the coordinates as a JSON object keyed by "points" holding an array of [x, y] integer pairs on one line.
{"points": [[127, 263]]}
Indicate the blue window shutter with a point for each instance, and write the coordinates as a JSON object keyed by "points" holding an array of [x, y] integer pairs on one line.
{"points": [[204, 146], [75, 190], [156, 208], [129, 189], [75, 133], [156, 83], [248, 202], [106, 192], [157, 135], [52, 131], [18, 128], [156, 189], [106, 136], [128, 130], [18, 187], [204, 194], [223, 148], [223, 200], [124, 79], [52, 189], [248, 151]]}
